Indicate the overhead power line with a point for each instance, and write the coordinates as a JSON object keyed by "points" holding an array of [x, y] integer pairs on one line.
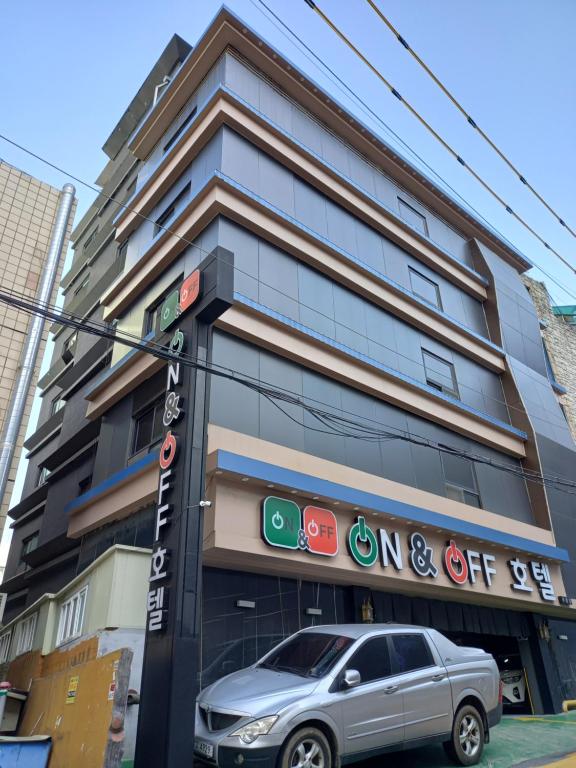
{"points": [[469, 119], [124, 206], [395, 353], [435, 133], [344, 88], [329, 421]]}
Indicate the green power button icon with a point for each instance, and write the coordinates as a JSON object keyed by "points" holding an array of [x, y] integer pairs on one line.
{"points": [[362, 543], [281, 522]]}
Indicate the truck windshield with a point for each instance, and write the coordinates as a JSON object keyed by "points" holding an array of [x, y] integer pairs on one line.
{"points": [[312, 654]]}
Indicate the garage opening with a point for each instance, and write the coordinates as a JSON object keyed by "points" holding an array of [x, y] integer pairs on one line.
{"points": [[516, 694]]}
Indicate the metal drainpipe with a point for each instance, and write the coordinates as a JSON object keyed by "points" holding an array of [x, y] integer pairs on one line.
{"points": [[29, 354]]}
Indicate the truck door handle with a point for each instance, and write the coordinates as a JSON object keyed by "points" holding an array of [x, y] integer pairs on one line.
{"points": [[439, 676], [391, 689]]}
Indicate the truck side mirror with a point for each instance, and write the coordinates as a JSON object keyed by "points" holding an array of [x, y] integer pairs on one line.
{"points": [[351, 679]]}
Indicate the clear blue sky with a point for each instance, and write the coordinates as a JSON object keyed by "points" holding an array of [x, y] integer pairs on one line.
{"points": [[68, 70]]}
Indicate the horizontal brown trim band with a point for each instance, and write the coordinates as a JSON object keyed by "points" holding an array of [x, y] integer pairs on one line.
{"points": [[225, 110], [229, 201], [265, 333], [227, 31]]}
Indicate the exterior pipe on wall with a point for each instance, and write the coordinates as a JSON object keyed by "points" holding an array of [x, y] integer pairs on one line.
{"points": [[19, 396]]}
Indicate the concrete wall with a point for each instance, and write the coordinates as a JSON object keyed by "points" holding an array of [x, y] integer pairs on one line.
{"points": [[560, 340]]}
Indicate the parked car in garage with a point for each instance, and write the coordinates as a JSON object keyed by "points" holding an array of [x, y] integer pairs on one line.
{"points": [[513, 680], [343, 693]]}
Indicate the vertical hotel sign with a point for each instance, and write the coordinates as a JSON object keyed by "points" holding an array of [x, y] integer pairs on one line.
{"points": [[180, 300]]}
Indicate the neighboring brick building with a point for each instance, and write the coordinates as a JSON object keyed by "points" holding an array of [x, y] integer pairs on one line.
{"points": [[559, 337], [27, 212]]}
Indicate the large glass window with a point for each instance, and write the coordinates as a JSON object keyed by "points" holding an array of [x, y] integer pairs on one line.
{"points": [[57, 404], [5, 646], [180, 130], [69, 347], [72, 617], [90, 238], [311, 654], [169, 212], [425, 288], [29, 544], [440, 374], [411, 652], [25, 630], [372, 660], [460, 479], [148, 427], [413, 217]]}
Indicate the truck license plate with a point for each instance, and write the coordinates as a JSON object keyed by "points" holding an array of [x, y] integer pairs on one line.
{"points": [[204, 748]]}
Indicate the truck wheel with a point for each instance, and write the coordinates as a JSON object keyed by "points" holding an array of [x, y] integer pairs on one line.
{"points": [[307, 748], [467, 742]]}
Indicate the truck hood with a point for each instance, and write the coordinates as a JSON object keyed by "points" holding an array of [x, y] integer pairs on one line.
{"points": [[255, 691]]}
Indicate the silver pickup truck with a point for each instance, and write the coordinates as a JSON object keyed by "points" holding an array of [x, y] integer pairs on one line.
{"points": [[337, 694]]}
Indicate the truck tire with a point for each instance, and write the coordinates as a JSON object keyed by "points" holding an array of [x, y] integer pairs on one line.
{"points": [[467, 742], [307, 747]]}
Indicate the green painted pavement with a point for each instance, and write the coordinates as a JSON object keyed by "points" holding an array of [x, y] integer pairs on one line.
{"points": [[514, 741]]}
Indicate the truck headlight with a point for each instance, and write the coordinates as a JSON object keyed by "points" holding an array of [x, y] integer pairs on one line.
{"points": [[250, 732]]}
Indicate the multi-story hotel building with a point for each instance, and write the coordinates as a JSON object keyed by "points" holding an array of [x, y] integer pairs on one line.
{"points": [[360, 289]]}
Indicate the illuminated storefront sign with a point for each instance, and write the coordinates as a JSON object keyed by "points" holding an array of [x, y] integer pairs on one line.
{"points": [[315, 530], [312, 529], [174, 409]]}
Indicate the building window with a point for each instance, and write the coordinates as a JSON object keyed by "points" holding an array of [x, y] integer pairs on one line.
{"points": [[180, 130], [69, 348], [440, 374], [130, 189], [29, 544], [72, 617], [57, 404], [5, 646], [89, 239], [43, 475], [425, 288], [83, 284], [148, 427], [84, 485], [123, 249], [25, 634], [413, 217], [169, 212], [460, 479]]}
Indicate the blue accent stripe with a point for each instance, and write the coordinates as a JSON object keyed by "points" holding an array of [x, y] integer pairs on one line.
{"points": [[261, 470], [116, 479], [376, 364]]}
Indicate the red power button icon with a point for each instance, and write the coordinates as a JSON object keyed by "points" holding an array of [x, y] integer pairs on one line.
{"points": [[456, 564], [322, 531]]}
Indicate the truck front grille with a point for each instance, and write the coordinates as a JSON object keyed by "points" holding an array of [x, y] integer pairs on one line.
{"points": [[218, 721]]}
